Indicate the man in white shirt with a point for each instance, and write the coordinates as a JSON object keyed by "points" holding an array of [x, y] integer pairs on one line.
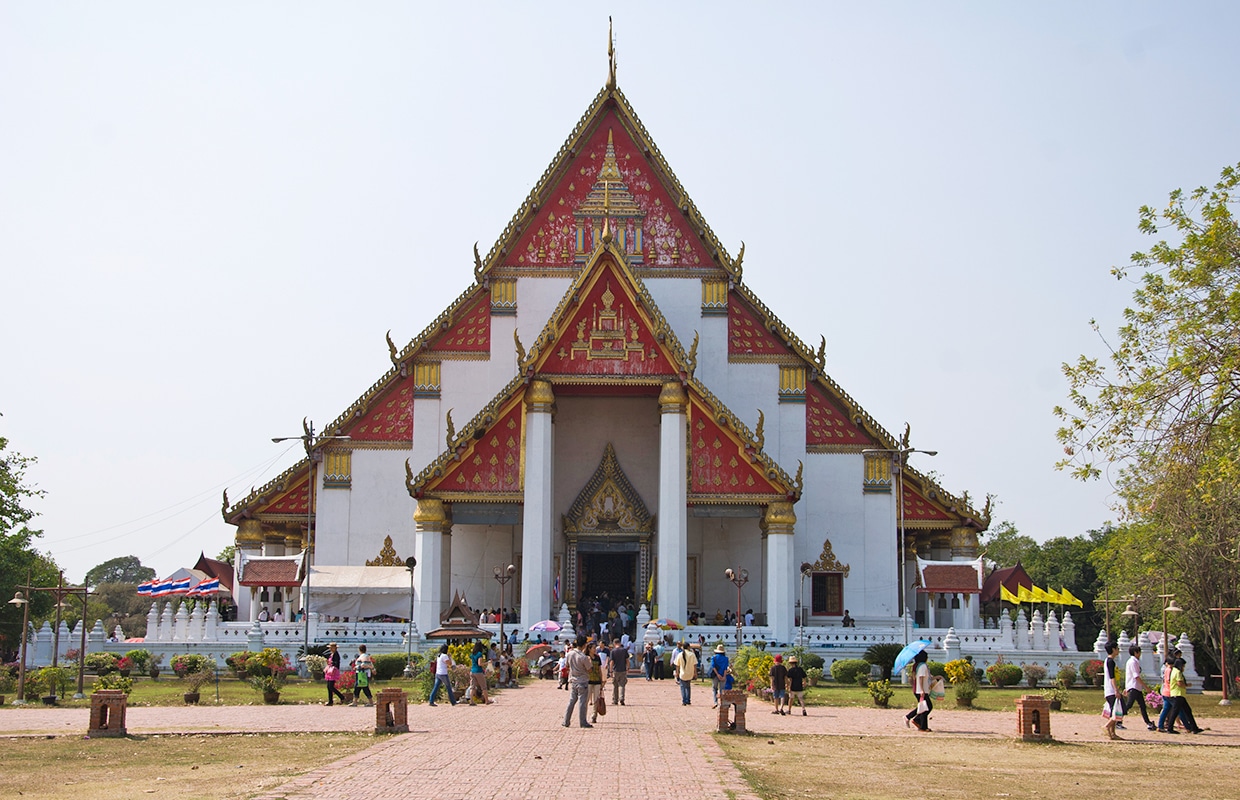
{"points": [[442, 662]]}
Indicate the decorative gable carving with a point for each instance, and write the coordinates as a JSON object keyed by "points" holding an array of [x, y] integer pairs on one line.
{"points": [[827, 562], [608, 504], [387, 556]]}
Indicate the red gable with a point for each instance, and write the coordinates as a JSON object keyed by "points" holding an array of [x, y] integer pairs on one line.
{"points": [[606, 333], [826, 422], [490, 464], [294, 500], [609, 172], [718, 464], [470, 332], [389, 417], [918, 508], [749, 339]]}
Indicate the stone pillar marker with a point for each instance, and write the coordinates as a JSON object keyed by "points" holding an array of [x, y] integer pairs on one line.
{"points": [[737, 700], [671, 592], [538, 519], [1033, 718], [391, 711], [107, 713]]}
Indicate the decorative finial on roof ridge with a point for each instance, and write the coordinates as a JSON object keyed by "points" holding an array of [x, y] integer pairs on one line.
{"points": [[611, 58]]}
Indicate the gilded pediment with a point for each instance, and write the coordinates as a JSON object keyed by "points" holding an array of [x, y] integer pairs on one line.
{"points": [[608, 504]]}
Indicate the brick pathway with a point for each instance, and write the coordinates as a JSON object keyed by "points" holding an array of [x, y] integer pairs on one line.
{"points": [[652, 746]]}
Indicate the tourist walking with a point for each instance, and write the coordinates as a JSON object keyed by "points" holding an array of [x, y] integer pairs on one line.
{"points": [[331, 674], [796, 685], [1134, 686], [1113, 711], [684, 667], [595, 680], [779, 684], [1166, 718], [1179, 696], [919, 717], [363, 667], [619, 672], [578, 682], [648, 661], [443, 677], [478, 674], [718, 671]]}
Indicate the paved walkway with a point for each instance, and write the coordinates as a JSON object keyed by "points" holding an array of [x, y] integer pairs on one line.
{"points": [[518, 748]]}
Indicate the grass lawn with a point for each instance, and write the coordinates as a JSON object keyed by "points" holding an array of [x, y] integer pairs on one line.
{"points": [[884, 767], [201, 767]]}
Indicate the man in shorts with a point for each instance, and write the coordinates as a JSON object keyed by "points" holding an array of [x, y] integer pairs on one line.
{"points": [[796, 685], [779, 684]]}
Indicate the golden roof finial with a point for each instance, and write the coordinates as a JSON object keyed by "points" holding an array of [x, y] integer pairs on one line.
{"points": [[611, 58]]}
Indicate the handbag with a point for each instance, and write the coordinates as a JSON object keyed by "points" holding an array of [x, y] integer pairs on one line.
{"points": [[938, 688], [331, 673], [600, 705], [923, 707]]}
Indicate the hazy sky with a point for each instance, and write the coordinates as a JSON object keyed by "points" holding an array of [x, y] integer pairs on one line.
{"points": [[210, 214]]}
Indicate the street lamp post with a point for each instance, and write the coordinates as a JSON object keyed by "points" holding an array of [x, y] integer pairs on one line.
{"points": [[410, 563], [503, 576], [1168, 604], [899, 458], [806, 568], [60, 592], [312, 443], [1107, 602], [739, 578], [1222, 654]]}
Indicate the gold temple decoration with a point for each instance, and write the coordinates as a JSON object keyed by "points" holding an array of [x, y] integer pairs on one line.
{"points": [[338, 469], [611, 58], [799, 480], [387, 556], [611, 335], [714, 297], [503, 297], [691, 359], [477, 264], [821, 357], [426, 378], [224, 508], [391, 349], [827, 562], [608, 504], [516, 338], [792, 383], [737, 269], [451, 429], [759, 432]]}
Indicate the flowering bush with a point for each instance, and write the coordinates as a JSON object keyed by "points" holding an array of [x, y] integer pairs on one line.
{"points": [[1003, 674], [113, 681], [100, 663], [268, 669], [1033, 674], [1067, 674], [1154, 700], [959, 670], [881, 691], [347, 680], [1090, 671], [124, 664], [186, 663]]}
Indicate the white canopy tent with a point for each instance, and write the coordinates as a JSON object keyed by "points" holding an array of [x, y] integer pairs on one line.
{"points": [[359, 592]]}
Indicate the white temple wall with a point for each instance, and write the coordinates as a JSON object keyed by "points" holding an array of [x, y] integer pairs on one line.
{"points": [[476, 551], [680, 300], [352, 523], [583, 428], [720, 543]]}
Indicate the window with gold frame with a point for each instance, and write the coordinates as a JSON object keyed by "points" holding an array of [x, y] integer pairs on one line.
{"points": [[826, 594]]}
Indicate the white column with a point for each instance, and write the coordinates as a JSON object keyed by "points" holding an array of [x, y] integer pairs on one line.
{"points": [[671, 586], [536, 541], [932, 610], [430, 520], [780, 523]]}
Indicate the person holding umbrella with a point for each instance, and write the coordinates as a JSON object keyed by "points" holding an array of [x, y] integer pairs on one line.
{"points": [[920, 716]]}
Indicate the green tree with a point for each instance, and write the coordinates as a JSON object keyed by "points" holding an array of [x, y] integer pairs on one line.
{"points": [[1007, 546], [228, 555], [19, 560], [1163, 408], [122, 569]]}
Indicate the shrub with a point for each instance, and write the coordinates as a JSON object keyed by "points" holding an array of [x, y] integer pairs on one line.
{"points": [[48, 679], [100, 663], [186, 663], [937, 668], [805, 658], [316, 665], [267, 669], [966, 689], [391, 665], [759, 668], [1003, 674], [863, 679], [195, 680], [1090, 670], [813, 675], [884, 655], [113, 681], [959, 671], [141, 659], [740, 664], [1033, 674], [1066, 675], [846, 670], [881, 691], [239, 663]]}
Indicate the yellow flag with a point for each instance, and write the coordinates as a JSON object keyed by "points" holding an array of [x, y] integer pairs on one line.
{"points": [[650, 588], [1023, 594], [1007, 596], [1070, 599], [1052, 596], [1039, 595]]}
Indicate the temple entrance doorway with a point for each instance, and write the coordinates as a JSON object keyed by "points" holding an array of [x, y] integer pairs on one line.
{"points": [[611, 573]]}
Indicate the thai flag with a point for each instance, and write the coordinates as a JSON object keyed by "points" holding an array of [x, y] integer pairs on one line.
{"points": [[205, 588], [145, 588], [555, 589], [161, 588], [181, 586]]}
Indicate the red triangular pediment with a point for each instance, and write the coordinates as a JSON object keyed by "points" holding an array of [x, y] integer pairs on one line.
{"points": [[389, 418], [719, 464], [294, 500], [490, 464], [749, 339], [609, 177], [919, 509], [469, 333], [607, 332], [828, 424]]}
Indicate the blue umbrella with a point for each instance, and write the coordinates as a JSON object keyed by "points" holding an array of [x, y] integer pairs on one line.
{"points": [[906, 655]]}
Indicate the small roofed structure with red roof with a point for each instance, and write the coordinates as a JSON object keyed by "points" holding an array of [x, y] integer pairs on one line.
{"points": [[952, 584]]}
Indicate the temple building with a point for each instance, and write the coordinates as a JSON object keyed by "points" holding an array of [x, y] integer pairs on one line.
{"points": [[609, 407]]}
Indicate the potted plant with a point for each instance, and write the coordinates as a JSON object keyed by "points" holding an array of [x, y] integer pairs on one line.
{"points": [[881, 691], [268, 670], [1057, 694], [813, 675], [124, 665], [193, 683], [153, 664], [316, 665], [963, 678], [1091, 672], [1033, 673]]}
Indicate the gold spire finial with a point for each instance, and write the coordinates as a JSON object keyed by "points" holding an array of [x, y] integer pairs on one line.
{"points": [[611, 58]]}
